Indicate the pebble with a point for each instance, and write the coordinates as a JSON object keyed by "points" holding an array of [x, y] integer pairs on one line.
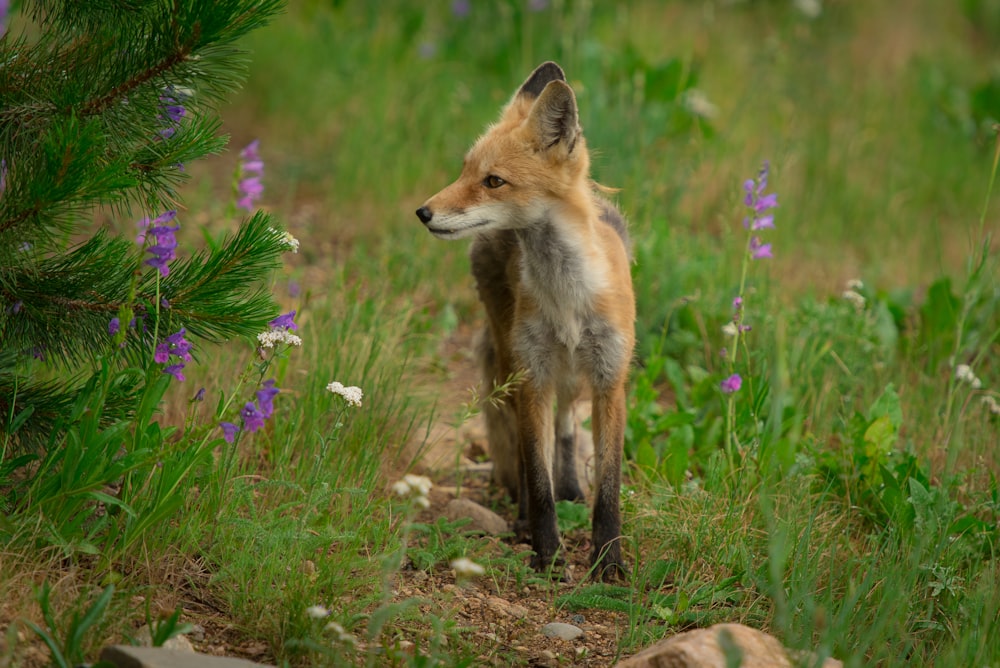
{"points": [[561, 630], [506, 608]]}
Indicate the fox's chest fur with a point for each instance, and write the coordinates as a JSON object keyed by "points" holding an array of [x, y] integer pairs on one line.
{"points": [[559, 333]]}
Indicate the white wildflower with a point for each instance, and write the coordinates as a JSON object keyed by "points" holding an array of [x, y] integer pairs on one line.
{"points": [[855, 284], [351, 394], [698, 104], [317, 611], [991, 404], [420, 484], [291, 242], [964, 373], [730, 329], [417, 486], [342, 635], [811, 9], [855, 298], [466, 568], [271, 337]]}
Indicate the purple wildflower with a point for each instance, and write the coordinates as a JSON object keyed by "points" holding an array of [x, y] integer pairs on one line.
{"points": [[284, 322], [179, 345], [175, 345], [162, 354], [250, 190], [460, 8], [253, 419], [166, 243], [265, 398], [3, 162], [199, 395], [538, 5], [229, 431], [249, 187], [758, 250], [175, 371], [114, 326], [4, 8], [172, 111], [731, 384], [759, 205]]}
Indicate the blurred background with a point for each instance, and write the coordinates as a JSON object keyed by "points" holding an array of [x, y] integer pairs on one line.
{"points": [[875, 117]]}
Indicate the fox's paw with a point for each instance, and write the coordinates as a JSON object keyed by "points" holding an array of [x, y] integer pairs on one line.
{"points": [[607, 565], [552, 567]]}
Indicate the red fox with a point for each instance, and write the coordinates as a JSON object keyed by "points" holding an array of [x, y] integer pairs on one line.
{"points": [[552, 267]]}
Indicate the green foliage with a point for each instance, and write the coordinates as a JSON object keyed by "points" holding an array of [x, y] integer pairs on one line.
{"points": [[70, 650]]}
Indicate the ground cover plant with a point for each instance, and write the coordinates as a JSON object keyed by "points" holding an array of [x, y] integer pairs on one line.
{"points": [[814, 413]]}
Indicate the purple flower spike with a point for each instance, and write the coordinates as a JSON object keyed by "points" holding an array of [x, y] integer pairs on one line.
{"points": [[251, 151], [114, 326], [175, 371], [229, 431], [253, 419], [163, 251], [758, 250], [284, 322], [731, 384], [179, 345], [162, 354], [265, 398]]}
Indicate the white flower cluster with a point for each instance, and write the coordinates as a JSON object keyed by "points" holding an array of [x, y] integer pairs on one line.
{"points": [[730, 329], [317, 611], [351, 394], [417, 486], [964, 373], [992, 405], [288, 240], [342, 636], [271, 337], [466, 568], [852, 295]]}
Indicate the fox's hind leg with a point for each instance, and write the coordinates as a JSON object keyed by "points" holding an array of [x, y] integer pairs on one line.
{"points": [[564, 473]]}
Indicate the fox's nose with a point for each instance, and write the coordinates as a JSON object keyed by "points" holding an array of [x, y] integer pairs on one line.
{"points": [[424, 214]]}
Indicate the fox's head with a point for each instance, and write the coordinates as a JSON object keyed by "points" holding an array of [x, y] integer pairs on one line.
{"points": [[525, 165]]}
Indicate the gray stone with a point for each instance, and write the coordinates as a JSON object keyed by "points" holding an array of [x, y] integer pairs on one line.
{"points": [[561, 630], [125, 656], [483, 519], [144, 636], [713, 647]]}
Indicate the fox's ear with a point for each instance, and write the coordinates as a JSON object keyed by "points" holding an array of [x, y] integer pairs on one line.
{"points": [[540, 78], [554, 119]]}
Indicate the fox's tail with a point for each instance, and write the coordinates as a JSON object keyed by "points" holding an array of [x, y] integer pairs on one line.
{"points": [[501, 420]]}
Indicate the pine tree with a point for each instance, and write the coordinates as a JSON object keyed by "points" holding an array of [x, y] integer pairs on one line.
{"points": [[102, 104]]}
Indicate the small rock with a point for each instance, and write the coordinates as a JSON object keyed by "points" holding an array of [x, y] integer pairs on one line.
{"points": [[180, 643], [546, 654], [561, 630], [483, 519], [506, 608], [123, 656], [713, 647], [197, 632], [578, 619]]}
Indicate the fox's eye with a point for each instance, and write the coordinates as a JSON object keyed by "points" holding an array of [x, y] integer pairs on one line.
{"points": [[493, 181]]}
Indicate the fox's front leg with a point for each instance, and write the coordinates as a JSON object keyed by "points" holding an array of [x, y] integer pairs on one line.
{"points": [[535, 426], [609, 431]]}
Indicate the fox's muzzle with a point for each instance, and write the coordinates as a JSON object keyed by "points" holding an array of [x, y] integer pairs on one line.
{"points": [[425, 215]]}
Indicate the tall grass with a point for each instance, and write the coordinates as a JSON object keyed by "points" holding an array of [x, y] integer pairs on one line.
{"points": [[859, 517]]}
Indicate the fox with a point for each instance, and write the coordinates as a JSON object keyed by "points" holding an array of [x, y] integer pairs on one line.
{"points": [[551, 260]]}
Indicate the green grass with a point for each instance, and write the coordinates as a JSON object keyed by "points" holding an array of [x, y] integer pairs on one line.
{"points": [[858, 522]]}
